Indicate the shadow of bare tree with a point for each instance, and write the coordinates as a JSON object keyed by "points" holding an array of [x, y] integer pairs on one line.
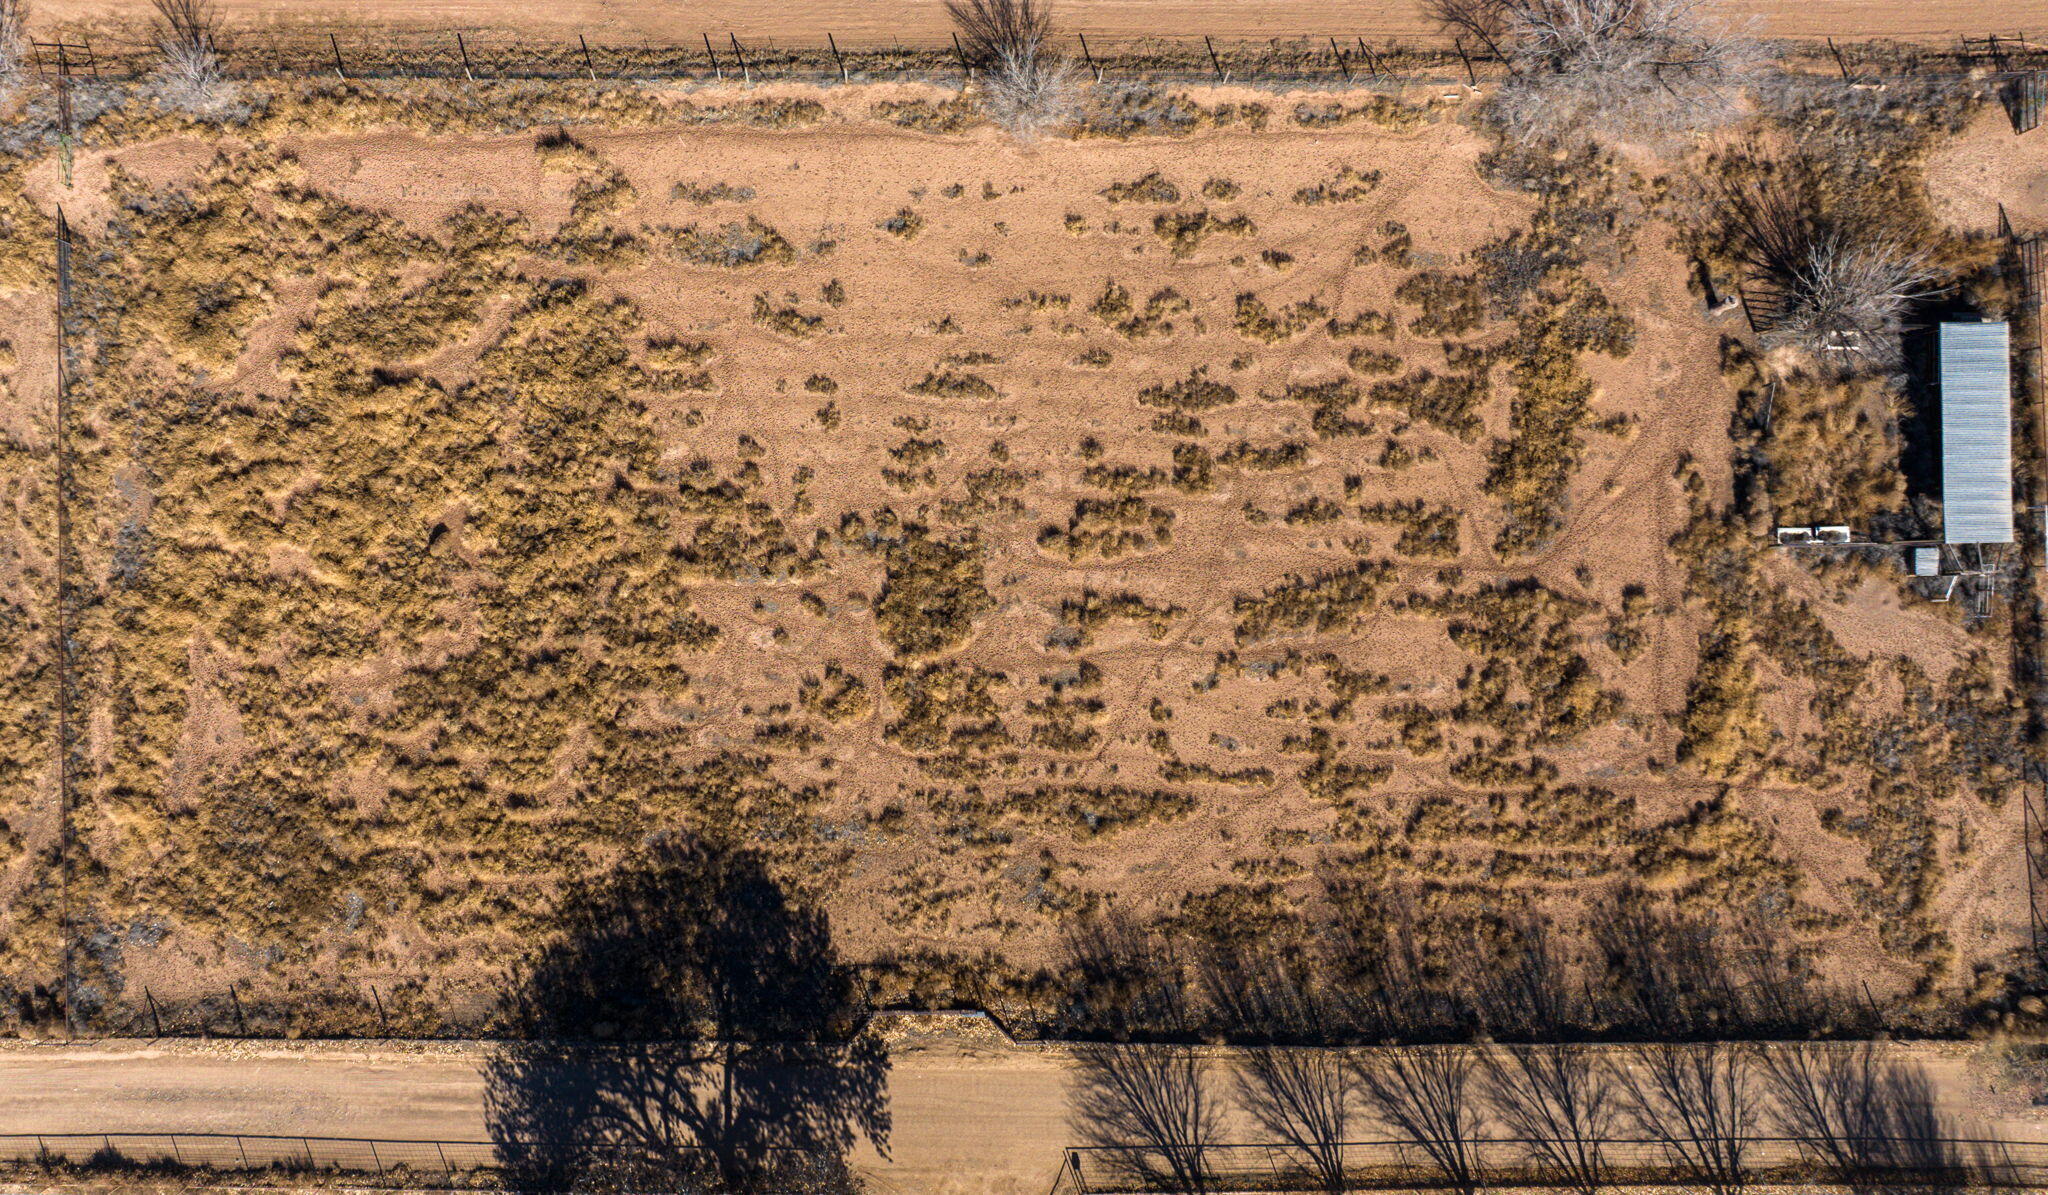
{"points": [[1149, 1108], [689, 1026], [1869, 1120]]}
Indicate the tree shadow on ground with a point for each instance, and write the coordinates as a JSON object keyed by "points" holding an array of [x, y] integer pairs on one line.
{"points": [[689, 1026]]}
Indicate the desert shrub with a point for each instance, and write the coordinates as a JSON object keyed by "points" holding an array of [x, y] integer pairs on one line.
{"points": [[1449, 401], [787, 319], [836, 696], [1184, 232], [1385, 111], [1092, 611], [1116, 310], [1325, 602], [1148, 188], [1452, 304], [1348, 185], [932, 591], [906, 223], [13, 44], [188, 35], [1256, 321], [732, 245], [1110, 527], [1425, 530], [948, 383]]}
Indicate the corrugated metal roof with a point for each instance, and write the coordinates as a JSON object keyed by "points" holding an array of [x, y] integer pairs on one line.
{"points": [[1976, 434]]}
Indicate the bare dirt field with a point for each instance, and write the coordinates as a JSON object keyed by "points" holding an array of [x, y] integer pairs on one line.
{"points": [[857, 22], [986, 532]]}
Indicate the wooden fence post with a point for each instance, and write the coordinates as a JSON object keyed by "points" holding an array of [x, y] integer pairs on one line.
{"points": [[746, 72], [714, 58], [966, 72], [334, 45], [464, 48], [1089, 58], [834, 43], [587, 64], [1341, 64], [1215, 63]]}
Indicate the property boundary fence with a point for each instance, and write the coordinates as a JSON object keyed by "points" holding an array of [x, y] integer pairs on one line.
{"points": [[1934, 1162], [355, 52]]}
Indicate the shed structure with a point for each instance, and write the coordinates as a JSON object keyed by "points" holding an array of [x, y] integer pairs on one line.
{"points": [[1975, 368]]}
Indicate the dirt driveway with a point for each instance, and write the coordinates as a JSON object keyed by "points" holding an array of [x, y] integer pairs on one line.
{"points": [[972, 1112]]}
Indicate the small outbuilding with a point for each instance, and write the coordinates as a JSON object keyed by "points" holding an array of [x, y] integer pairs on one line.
{"points": [[1975, 372]]}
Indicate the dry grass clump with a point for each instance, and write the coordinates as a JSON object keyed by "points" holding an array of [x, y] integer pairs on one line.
{"points": [[1532, 468], [1524, 632], [732, 244], [1348, 185], [1426, 531], [1148, 188], [1325, 602], [1184, 232], [1449, 401], [1107, 528], [947, 713], [1115, 309], [1092, 611], [13, 44], [1120, 111], [1832, 457], [927, 116], [933, 590], [1383, 110], [1256, 321]]}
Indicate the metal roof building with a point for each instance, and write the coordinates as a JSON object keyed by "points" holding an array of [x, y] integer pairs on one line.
{"points": [[1976, 433]]}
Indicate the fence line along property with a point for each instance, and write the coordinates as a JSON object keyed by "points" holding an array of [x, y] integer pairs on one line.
{"points": [[1314, 56], [1935, 1163]]}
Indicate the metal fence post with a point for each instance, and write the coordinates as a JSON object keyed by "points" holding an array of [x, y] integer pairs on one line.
{"points": [[587, 64], [335, 45], [833, 42]]}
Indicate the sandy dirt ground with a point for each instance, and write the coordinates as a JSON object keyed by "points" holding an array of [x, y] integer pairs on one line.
{"points": [[858, 22], [992, 557], [987, 1118]]}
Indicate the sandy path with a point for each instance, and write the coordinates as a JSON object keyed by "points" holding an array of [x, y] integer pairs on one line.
{"points": [[857, 22], [970, 1115]]}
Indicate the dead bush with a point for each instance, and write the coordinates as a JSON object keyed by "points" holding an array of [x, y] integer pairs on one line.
{"points": [[1025, 87], [13, 43], [188, 35], [1648, 69]]}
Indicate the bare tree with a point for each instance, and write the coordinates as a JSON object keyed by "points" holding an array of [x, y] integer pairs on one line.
{"points": [[189, 36], [1643, 68], [1292, 1082], [1559, 1102], [1699, 1102], [1026, 87], [1426, 1095], [13, 43], [1839, 287]]}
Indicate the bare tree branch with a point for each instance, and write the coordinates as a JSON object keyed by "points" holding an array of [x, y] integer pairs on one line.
{"points": [[1026, 88]]}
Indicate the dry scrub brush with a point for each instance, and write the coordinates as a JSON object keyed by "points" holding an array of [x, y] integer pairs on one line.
{"points": [[188, 35], [1025, 87], [13, 44], [1651, 69], [1841, 285]]}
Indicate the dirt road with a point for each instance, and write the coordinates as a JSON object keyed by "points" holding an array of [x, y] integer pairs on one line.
{"points": [[857, 22], [971, 1112]]}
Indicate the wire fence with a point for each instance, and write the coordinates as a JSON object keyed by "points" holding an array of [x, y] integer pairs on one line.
{"points": [[244, 1151], [1333, 56], [1932, 1163]]}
